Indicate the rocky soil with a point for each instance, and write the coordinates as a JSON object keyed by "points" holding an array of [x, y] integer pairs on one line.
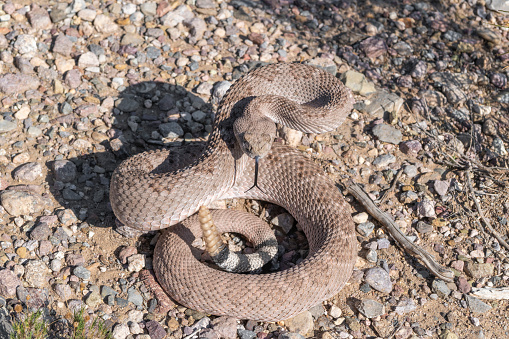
{"points": [[84, 84]]}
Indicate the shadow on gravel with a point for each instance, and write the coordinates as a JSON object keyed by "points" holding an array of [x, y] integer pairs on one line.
{"points": [[148, 115]]}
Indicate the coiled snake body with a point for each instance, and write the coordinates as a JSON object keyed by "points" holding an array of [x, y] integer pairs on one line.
{"points": [[148, 192]]}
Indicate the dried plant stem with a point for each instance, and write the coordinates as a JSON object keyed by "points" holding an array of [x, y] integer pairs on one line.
{"points": [[393, 185], [428, 260], [481, 214]]}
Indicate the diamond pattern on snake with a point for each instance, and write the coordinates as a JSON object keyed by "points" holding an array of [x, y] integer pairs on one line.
{"points": [[146, 197]]}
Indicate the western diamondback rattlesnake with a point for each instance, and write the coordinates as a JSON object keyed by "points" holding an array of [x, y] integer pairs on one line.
{"points": [[149, 192]]}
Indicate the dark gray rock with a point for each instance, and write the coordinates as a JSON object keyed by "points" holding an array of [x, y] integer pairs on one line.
{"points": [[387, 133], [121, 302], [69, 194], [403, 48], [371, 308], [423, 227], [171, 130], [127, 104], [5, 324], [134, 296], [81, 272], [477, 306], [365, 228], [290, 335], [205, 4], [440, 287], [245, 334], [106, 291], [64, 170], [166, 103]]}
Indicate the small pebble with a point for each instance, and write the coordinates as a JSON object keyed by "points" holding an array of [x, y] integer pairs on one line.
{"points": [[360, 218], [365, 228]]}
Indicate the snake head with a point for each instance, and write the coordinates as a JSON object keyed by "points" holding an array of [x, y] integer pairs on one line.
{"points": [[256, 145], [255, 137]]}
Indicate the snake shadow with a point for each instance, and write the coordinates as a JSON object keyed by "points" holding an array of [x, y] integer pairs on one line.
{"points": [[146, 116]]}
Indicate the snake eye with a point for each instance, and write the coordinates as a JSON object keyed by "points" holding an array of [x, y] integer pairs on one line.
{"points": [[266, 138], [249, 137]]}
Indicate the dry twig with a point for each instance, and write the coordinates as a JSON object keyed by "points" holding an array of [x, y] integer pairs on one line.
{"points": [[428, 260], [393, 185], [491, 293]]}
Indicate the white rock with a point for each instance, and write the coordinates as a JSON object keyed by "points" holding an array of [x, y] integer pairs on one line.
{"points": [[87, 14], [25, 43], [23, 112], [129, 9], [88, 59], [173, 18], [136, 262], [335, 312], [121, 331], [135, 316], [135, 328], [104, 24], [221, 88], [360, 218], [426, 208], [291, 136]]}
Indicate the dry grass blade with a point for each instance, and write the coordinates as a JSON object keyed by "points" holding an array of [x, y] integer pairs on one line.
{"points": [[481, 214]]}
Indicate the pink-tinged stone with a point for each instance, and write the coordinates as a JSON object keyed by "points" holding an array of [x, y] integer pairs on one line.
{"points": [[458, 265], [18, 83], [86, 110], [39, 18], [463, 285], [73, 78], [411, 147], [8, 283], [373, 47], [126, 252]]}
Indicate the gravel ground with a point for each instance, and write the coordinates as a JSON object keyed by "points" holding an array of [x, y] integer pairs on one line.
{"points": [[85, 84]]}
